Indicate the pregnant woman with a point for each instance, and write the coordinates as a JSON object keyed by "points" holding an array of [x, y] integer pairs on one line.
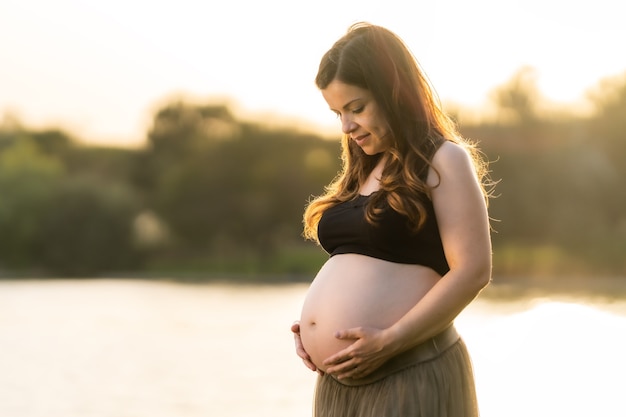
{"points": [[407, 230]]}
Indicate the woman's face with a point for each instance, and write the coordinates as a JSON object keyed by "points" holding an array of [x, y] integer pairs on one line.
{"points": [[360, 116]]}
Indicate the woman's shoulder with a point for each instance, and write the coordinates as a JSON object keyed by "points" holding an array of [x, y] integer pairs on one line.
{"points": [[451, 153], [451, 158]]}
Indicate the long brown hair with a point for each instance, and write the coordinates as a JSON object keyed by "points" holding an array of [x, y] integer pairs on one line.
{"points": [[374, 58]]}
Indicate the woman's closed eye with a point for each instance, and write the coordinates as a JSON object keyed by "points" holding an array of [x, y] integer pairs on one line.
{"points": [[358, 110], [353, 111]]}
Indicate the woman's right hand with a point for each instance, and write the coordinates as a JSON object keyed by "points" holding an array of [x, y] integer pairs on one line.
{"points": [[295, 328]]}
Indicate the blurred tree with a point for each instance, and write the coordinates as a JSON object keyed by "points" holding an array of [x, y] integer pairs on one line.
{"points": [[230, 186], [608, 121], [28, 182], [517, 100], [108, 164], [53, 142], [88, 228], [215, 185], [63, 209], [560, 174], [607, 128], [180, 129]]}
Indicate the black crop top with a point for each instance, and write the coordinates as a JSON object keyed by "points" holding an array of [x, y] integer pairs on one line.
{"points": [[344, 229]]}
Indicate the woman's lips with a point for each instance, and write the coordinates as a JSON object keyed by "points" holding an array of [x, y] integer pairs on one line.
{"points": [[360, 139]]}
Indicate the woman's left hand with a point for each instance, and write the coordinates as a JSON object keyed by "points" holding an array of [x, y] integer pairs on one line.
{"points": [[366, 354], [295, 328]]}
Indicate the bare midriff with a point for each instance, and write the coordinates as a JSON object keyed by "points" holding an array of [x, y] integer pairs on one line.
{"points": [[353, 290]]}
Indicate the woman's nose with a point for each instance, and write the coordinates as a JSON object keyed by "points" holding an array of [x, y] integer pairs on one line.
{"points": [[347, 125]]}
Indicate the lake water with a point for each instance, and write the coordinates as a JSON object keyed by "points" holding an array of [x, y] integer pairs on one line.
{"points": [[131, 348]]}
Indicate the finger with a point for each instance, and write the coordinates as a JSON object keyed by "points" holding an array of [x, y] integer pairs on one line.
{"points": [[300, 348], [341, 364], [305, 358], [295, 327], [335, 360], [346, 334], [345, 370], [340, 357], [310, 365], [302, 353], [354, 373], [354, 333], [297, 339]]}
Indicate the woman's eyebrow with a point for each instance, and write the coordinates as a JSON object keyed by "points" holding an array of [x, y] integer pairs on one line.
{"points": [[348, 104]]}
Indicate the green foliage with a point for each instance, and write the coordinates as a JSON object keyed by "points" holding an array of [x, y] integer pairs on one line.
{"points": [[50, 142], [608, 126], [108, 164], [28, 181], [562, 181], [55, 220], [227, 195], [289, 262], [239, 186], [88, 228], [518, 99]]}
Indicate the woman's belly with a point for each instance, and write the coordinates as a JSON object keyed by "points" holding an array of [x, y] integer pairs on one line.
{"points": [[354, 290]]}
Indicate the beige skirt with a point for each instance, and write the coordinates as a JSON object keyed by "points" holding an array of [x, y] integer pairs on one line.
{"points": [[434, 379]]}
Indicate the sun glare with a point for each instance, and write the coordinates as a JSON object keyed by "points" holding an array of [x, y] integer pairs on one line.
{"points": [[552, 359]]}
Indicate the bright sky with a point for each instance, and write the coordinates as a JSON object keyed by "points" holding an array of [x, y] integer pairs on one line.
{"points": [[99, 69]]}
